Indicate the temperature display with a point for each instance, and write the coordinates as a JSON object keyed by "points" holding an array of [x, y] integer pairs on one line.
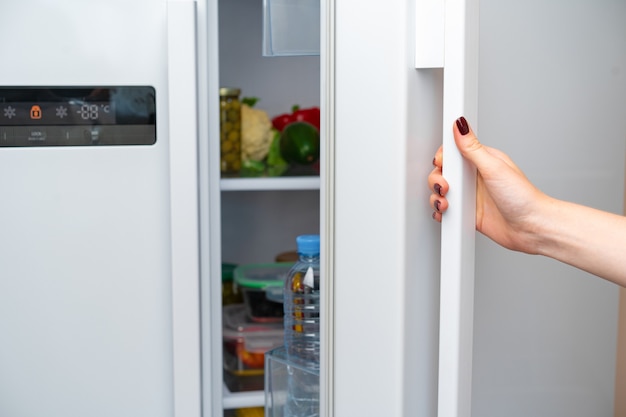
{"points": [[45, 116], [92, 111]]}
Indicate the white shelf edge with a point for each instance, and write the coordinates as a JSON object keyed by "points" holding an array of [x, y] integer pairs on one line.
{"points": [[265, 184], [244, 399]]}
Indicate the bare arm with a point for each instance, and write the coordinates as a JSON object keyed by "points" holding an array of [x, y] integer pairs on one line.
{"points": [[589, 239], [515, 214]]}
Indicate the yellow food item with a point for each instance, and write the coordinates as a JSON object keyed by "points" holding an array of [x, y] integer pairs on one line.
{"points": [[250, 412], [256, 133]]}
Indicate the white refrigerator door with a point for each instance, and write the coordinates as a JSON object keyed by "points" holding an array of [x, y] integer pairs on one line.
{"points": [[550, 95], [383, 283], [90, 314]]}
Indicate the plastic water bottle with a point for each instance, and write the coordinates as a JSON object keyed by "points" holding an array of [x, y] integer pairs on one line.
{"points": [[302, 328]]}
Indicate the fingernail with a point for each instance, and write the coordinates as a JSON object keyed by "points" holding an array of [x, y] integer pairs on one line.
{"points": [[461, 123], [435, 161], [437, 204], [437, 188], [433, 215]]}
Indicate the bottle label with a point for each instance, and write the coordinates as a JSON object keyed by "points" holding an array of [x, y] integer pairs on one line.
{"points": [[309, 278]]}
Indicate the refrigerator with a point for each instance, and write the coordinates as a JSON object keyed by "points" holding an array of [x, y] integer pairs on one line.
{"points": [[112, 231]]}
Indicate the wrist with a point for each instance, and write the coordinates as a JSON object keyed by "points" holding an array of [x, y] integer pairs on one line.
{"points": [[544, 229]]}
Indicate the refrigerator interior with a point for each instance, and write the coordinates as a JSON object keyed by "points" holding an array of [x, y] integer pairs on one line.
{"points": [[257, 225], [259, 221]]}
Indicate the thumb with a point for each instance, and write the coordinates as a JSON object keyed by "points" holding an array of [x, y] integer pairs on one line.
{"points": [[469, 146]]}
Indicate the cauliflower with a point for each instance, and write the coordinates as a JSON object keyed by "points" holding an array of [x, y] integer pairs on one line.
{"points": [[256, 133]]}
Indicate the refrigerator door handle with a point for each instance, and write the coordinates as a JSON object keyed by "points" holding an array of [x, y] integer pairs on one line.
{"points": [[460, 89], [183, 152], [447, 37]]}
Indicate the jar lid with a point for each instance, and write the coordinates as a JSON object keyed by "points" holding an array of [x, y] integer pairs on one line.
{"points": [[229, 92]]}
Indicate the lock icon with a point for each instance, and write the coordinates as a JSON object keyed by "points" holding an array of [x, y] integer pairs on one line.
{"points": [[35, 112]]}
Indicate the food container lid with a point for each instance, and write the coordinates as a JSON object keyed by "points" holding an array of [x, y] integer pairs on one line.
{"points": [[257, 337], [261, 276]]}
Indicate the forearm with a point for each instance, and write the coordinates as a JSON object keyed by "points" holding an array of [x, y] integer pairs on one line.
{"points": [[589, 239]]}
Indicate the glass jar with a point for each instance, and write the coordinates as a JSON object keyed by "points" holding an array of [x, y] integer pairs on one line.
{"points": [[230, 130]]}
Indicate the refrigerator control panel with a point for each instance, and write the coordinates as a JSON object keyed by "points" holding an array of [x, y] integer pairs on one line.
{"points": [[77, 116]]}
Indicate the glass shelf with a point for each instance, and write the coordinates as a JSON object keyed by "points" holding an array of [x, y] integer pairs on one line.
{"points": [[265, 184]]}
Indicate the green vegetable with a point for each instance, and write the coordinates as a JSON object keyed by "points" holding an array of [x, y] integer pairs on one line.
{"points": [[251, 168], [250, 101], [276, 165], [300, 143]]}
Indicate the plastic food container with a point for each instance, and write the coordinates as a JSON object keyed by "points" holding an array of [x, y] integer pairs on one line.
{"points": [[255, 281], [245, 343]]}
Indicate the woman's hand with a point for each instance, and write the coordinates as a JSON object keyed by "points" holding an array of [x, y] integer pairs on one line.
{"points": [[508, 206], [516, 215]]}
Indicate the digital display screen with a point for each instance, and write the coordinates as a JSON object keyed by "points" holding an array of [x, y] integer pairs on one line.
{"points": [[77, 116]]}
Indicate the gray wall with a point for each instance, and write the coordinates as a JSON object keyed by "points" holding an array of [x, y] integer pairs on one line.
{"points": [[552, 95]]}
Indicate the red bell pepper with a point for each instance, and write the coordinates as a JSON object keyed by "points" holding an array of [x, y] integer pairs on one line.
{"points": [[310, 115]]}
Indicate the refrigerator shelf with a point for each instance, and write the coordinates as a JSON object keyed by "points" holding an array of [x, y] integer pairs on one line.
{"points": [[267, 184], [244, 399]]}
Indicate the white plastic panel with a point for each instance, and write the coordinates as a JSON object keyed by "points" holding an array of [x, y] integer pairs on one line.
{"points": [[85, 295]]}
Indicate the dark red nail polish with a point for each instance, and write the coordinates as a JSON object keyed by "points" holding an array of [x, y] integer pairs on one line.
{"points": [[461, 123], [437, 188], [435, 161], [437, 204]]}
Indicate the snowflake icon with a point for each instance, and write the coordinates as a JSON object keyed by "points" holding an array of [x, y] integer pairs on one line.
{"points": [[61, 112], [9, 112]]}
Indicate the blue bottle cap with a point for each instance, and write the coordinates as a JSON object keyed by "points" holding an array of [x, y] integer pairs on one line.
{"points": [[308, 244]]}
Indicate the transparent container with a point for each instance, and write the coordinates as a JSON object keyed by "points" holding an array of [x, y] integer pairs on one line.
{"points": [[301, 297], [280, 374], [230, 131], [291, 27], [302, 303]]}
